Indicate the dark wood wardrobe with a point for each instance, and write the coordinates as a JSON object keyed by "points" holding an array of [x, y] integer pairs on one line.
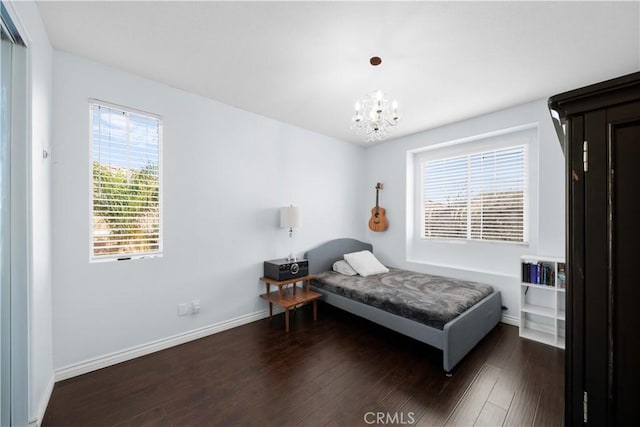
{"points": [[602, 149]]}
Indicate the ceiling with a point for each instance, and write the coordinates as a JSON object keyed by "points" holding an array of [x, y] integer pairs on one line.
{"points": [[306, 63]]}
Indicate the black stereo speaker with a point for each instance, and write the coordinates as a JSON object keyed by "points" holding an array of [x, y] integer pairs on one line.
{"points": [[283, 269]]}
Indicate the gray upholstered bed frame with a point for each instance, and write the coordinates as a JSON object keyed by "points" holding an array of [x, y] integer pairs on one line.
{"points": [[455, 340]]}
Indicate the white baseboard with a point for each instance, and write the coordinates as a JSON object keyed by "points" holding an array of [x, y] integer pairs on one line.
{"points": [[110, 359], [36, 419], [114, 358], [510, 320]]}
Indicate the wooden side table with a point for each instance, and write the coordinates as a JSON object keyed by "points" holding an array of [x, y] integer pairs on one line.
{"points": [[290, 297]]}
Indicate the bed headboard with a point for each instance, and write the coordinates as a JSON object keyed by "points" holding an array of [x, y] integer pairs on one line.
{"points": [[321, 258]]}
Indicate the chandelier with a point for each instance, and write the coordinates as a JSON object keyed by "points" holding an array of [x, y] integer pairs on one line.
{"points": [[375, 116]]}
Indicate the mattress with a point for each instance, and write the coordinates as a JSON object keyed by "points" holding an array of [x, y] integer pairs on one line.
{"points": [[431, 300]]}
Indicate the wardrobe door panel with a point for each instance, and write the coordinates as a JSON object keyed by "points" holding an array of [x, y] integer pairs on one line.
{"points": [[624, 148], [574, 353], [595, 268]]}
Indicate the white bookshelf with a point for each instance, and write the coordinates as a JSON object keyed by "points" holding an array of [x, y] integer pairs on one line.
{"points": [[542, 305]]}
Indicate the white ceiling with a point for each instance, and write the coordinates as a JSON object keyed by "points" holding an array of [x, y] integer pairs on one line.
{"points": [[306, 63]]}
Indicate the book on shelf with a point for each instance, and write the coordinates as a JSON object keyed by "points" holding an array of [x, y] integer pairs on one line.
{"points": [[541, 273]]}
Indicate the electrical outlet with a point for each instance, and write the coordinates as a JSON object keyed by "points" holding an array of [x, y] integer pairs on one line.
{"points": [[195, 306], [183, 309]]}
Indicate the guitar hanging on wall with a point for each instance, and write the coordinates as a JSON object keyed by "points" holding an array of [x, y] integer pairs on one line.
{"points": [[378, 220]]}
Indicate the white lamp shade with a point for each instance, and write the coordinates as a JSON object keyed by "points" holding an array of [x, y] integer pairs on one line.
{"points": [[290, 217]]}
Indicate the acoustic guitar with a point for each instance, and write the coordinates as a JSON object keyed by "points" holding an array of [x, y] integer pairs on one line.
{"points": [[378, 220]]}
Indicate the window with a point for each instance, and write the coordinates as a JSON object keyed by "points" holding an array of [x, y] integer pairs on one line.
{"points": [[126, 214], [476, 196]]}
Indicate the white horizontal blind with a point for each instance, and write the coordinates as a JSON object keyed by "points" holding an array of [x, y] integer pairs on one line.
{"points": [[479, 196], [126, 182], [445, 198]]}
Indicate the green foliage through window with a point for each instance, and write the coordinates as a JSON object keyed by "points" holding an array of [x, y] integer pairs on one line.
{"points": [[126, 184]]}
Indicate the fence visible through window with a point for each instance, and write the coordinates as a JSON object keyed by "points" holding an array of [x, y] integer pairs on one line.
{"points": [[478, 196]]}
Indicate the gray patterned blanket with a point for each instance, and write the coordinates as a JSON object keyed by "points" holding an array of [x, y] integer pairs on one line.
{"points": [[432, 300]]}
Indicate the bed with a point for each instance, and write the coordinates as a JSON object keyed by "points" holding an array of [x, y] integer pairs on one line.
{"points": [[442, 321]]}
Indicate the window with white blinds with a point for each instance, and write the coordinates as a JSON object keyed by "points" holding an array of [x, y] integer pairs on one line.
{"points": [[477, 196], [126, 214]]}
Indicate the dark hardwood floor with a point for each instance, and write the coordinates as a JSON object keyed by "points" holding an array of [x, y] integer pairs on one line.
{"points": [[338, 371]]}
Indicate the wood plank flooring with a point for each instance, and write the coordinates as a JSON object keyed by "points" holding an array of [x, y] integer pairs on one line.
{"points": [[338, 371]]}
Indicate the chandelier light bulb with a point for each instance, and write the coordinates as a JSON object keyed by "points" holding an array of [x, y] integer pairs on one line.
{"points": [[358, 107], [394, 105]]}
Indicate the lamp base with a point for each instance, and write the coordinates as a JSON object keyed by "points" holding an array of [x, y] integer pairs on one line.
{"points": [[290, 257]]}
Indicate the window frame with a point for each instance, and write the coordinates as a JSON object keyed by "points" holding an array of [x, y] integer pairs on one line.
{"points": [[520, 136], [126, 256]]}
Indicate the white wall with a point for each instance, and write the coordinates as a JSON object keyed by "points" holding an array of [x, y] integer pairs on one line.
{"points": [[40, 311], [226, 173], [493, 263]]}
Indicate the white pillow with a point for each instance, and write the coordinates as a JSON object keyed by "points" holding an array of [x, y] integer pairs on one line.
{"points": [[343, 267], [365, 264]]}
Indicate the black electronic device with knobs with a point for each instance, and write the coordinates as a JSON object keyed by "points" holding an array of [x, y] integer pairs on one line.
{"points": [[284, 269]]}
